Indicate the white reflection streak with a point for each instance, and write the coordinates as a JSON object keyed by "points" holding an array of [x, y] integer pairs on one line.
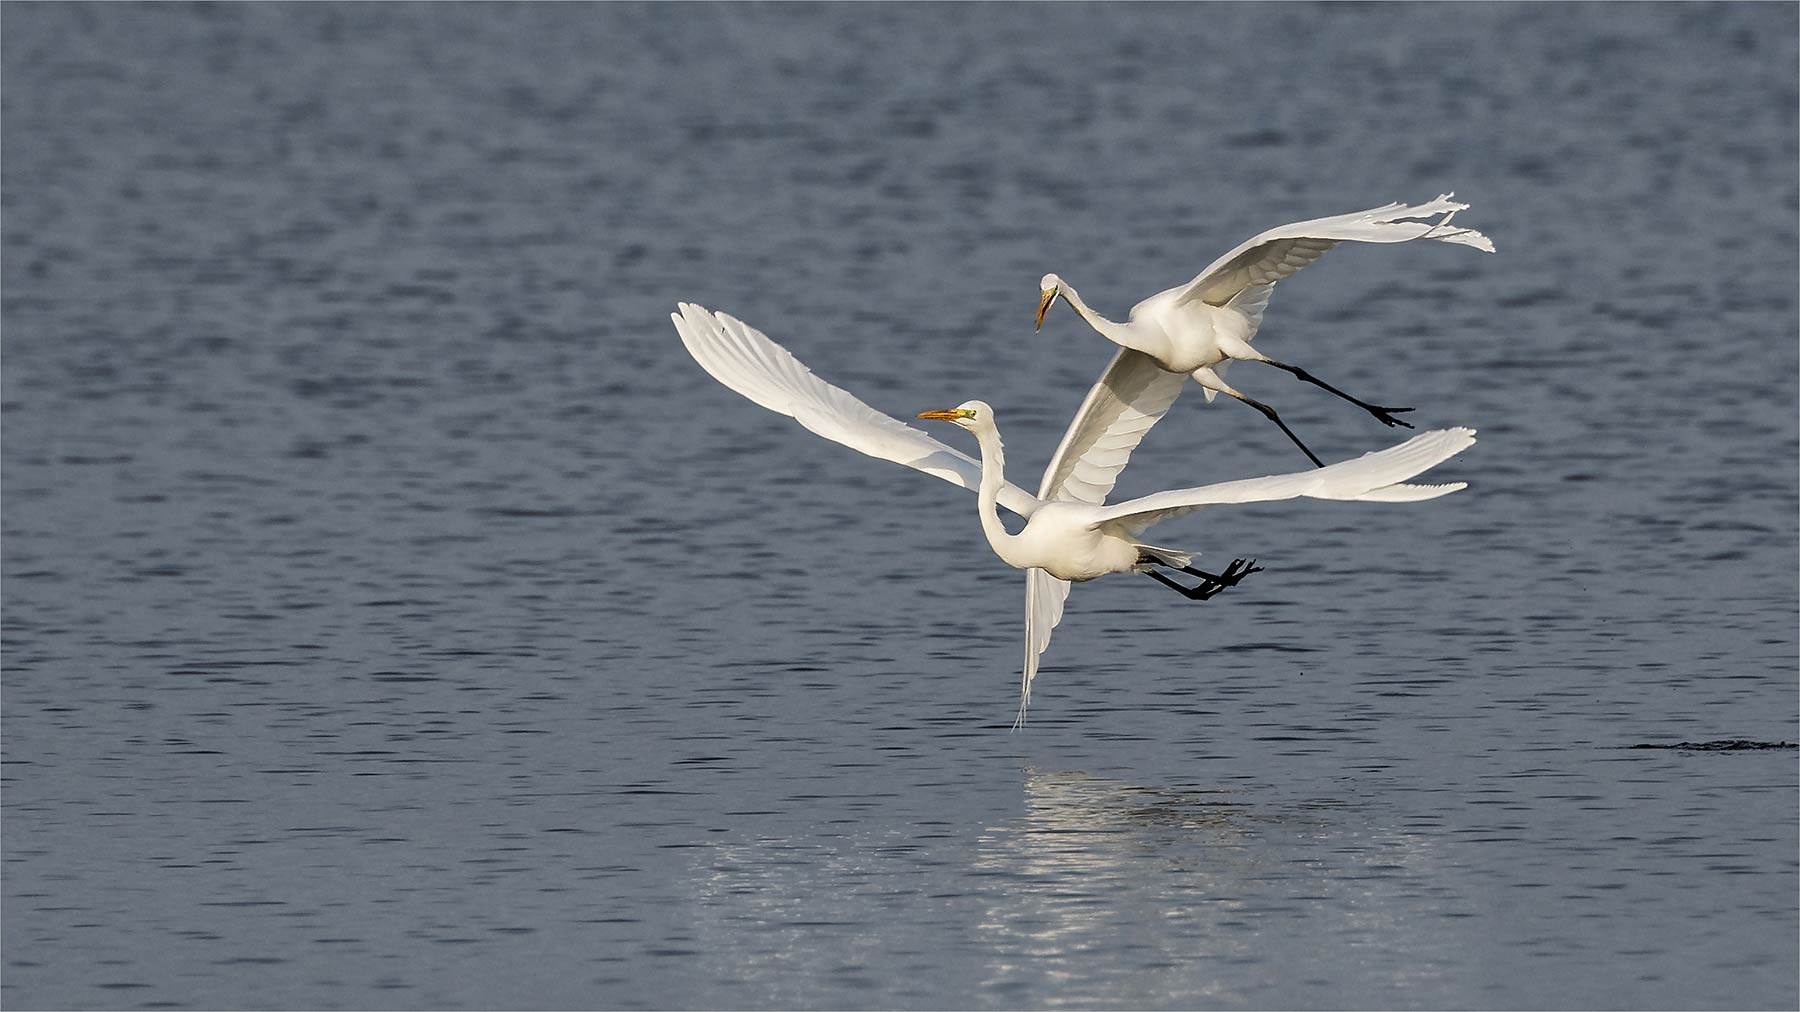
{"points": [[1144, 896], [1102, 892], [1086, 884]]}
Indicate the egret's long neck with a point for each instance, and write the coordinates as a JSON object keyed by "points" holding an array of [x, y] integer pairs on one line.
{"points": [[1117, 333], [993, 475]]}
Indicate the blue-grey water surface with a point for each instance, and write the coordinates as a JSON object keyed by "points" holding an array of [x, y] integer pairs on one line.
{"points": [[396, 617]]}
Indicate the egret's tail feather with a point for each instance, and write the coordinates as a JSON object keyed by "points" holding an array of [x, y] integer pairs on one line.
{"points": [[1174, 558]]}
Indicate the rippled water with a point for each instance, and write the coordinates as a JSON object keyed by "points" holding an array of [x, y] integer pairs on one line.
{"points": [[396, 617]]}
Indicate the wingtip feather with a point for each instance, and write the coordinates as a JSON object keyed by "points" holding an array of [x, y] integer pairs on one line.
{"points": [[1405, 492]]}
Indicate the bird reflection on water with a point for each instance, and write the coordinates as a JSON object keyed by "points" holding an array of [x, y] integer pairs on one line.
{"points": [[1097, 893], [1207, 875], [1086, 845]]}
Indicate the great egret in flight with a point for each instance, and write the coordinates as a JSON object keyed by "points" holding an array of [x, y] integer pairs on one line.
{"points": [[1200, 327], [1068, 535]]}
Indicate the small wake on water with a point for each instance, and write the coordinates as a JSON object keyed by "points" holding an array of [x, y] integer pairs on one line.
{"points": [[1723, 745]]}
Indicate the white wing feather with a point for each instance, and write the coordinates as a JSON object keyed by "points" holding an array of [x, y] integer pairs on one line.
{"points": [[1285, 249], [1131, 396], [746, 360], [1044, 598], [1374, 477]]}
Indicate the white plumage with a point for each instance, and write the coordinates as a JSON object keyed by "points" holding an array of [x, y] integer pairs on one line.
{"points": [[1198, 328], [1069, 534]]}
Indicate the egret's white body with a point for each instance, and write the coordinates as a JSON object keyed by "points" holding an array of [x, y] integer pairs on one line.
{"points": [[1069, 534], [1182, 336], [1200, 327], [1062, 540]]}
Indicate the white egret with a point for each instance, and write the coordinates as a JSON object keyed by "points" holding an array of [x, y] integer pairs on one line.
{"points": [[1068, 536], [1200, 327]]}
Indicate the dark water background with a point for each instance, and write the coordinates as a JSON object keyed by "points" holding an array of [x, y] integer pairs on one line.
{"points": [[395, 617]]}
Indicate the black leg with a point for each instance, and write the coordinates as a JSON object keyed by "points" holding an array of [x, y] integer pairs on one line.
{"points": [[1269, 413], [1200, 593], [1210, 585], [1233, 573], [1385, 415]]}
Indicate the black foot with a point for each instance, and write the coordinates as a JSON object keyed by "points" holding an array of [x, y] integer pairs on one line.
{"points": [[1233, 573], [1386, 415], [1210, 585]]}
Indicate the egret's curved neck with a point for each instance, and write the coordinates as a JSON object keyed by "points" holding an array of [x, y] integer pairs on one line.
{"points": [[1117, 333], [993, 475]]}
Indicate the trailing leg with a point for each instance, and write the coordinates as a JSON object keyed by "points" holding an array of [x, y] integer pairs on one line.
{"points": [[1233, 573], [1241, 351], [1200, 593], [1213, 381], [1269, 413], [1384, 415]]}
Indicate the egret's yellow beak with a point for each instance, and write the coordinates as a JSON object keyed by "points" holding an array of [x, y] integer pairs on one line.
{"points": [[947, 415], [1045, 297]]}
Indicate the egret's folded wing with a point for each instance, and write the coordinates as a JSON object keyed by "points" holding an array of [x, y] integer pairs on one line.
{"points": [[1279, 252], [744, 359], [1130, 396], [1044, 597], [1374, 477]]}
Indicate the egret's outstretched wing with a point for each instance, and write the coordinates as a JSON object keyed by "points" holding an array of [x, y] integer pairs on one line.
{"points": [[1131, 395], [744, 359], [1375, 477], [1044, 597], [1279, 252]]}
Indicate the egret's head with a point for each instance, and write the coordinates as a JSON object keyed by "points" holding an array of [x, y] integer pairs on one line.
{"points": [[966, 414], [1048, 289]]}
